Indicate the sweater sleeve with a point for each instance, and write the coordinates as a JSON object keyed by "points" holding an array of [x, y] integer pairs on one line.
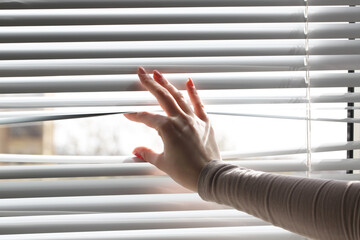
{"points": [[315, 208]]}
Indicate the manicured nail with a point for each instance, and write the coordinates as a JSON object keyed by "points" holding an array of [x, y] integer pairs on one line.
{"points": [[141, 70], [157, 74], [190, 82], [138, 155], [159, 77]]}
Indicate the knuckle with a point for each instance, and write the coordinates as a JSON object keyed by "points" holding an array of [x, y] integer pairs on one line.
{"points": [[161, 92], [180, 96], [145, 79], [146, 155], [142, 114], [186, 120], [200, 105]]}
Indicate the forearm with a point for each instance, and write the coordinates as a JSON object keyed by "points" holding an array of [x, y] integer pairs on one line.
{"points": [[319, 209]]}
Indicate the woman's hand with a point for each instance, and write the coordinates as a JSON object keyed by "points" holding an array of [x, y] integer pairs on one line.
{"points": [[189, 141]]}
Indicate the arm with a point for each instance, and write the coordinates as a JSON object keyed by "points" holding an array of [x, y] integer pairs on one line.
{"points": [[316, 208]]}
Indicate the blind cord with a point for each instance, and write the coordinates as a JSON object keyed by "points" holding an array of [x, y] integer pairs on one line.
{"points": [[308, 87]]}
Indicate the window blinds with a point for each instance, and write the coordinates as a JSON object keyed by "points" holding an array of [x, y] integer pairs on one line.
{"points": [[79, 46]]}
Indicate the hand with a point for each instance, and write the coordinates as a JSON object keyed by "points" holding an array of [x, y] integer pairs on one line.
{"points": [[189, 140]]}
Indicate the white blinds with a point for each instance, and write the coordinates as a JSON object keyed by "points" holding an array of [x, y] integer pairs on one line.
{"points": [[248, 56]]}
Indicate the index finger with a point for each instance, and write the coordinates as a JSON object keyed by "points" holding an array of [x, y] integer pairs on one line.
{"points": [[165, 99]]}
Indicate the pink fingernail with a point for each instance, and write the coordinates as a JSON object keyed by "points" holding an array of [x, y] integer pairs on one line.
{"points": [[157, 74], [141, 70], [138, 155], [190, 82], [159, 77]]}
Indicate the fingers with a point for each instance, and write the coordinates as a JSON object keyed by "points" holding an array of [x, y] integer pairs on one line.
{"points": [[148, 155], [166, 101], [150, 119], [195, 100], [179, 98]]}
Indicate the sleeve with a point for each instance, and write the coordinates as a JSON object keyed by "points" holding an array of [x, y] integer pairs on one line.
{"points": [[315, 208]]}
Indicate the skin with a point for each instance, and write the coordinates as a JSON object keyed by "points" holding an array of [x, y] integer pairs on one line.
{"points": [[188, 137]]}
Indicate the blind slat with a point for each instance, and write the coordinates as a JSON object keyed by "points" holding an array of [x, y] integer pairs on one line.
{"points": [[128, 169], [176, 32], [231, 233], [123, 161], [26, 158], [80, 170], [129, 82], [315, 149], [111, 203], [31, 119], [46, 4], [176, 15], [126, 221], [147, 100], [61, 116], [89, 187], [175, 49], [343, 120], [149, 16], [334, 14], [180, 65]]}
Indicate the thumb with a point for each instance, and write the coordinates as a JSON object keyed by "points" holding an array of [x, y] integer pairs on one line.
{"points": [[147, 155]]}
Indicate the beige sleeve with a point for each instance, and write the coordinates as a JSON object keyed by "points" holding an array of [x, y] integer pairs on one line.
{"points": [[316, 208]]}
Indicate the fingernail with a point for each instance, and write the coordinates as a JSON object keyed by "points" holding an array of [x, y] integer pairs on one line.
{"points": [[159, 77], [138, 155], [157, 74], [141, 70], [190, 82]]}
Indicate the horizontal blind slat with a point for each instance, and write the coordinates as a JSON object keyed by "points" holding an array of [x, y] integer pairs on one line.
{"points": [[150, 16], [334, 14], [81, 170], [147, 100], [89, 187], [125, 160], [165, 48], [230, 233], [175, 49], [315, 149], [112, 203], [126, 221], [179, 65], [176, 32], [49, 4], [64, 116], [176, 15], [32, 158], [128, 169], [146, 33], [129, 82]]}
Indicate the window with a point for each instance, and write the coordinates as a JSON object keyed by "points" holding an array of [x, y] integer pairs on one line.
{"points": [[274, 75]]}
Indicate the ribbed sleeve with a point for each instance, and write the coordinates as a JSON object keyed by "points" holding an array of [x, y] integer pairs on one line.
{"points": [[316, 208]]}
